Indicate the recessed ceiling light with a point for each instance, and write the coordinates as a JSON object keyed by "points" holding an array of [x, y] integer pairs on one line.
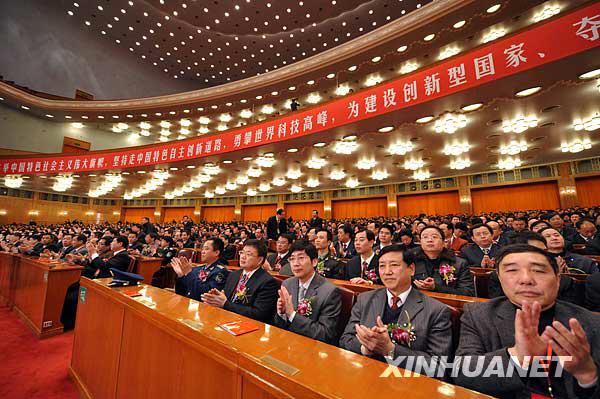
{"points": [[227, 161], [425, 119], [247, 158], [292, 88], [376, 59], [320, 144], [349, 137], [429, 37], [49, 116], [590, 75], [528, 92], [191, 167], [352, 68], [331, 76], [472, 107], [173, 168], [386, 129], [493, 9], [459, 24], [292, 150], [310, 82], [402, 49], [141, 172], [24, 107]]}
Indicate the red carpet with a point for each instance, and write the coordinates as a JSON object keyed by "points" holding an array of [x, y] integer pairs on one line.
{"points": [[31, 368]]}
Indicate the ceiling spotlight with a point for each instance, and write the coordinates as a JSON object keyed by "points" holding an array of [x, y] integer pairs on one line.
{"points": [[366, 163], [292, 150], [591, 74], [459, 24], [402, 49], [313, 98], [429, 37], [576, 145], [456, 148], [345, 147], [589, 124], [337, 174], [267, 109], [246, 113], [514, 147], [493, 8], [425, 119], [145, 126], [352, 183], [225, 118], [509, 163], [319, 144], [312, 183], [380, 174], [342, 90], [548, 12], [185, 122], [165, 124], [386, 129], [421, 174], [316, 163], [472, 107], [203, 120], [278, 181], [460, 163], [293, 174], [296, 188], [77, 125], [264, 187], [376, 59], [352, 68], [528, 92]]}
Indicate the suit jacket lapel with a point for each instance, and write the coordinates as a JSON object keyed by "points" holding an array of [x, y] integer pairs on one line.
{"points": [[378, 304], [413, 305], [294, 290], [316, 282], [232, 283], [505, 323]]}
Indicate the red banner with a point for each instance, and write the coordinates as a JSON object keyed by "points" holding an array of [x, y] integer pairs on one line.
{"points": [[545, 43]]}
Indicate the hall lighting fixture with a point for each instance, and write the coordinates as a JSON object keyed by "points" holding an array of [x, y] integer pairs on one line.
{"points": [[209, 194], [279, 181], [548, 12], [576, 145], [145, 126], [265, 161], [460, 163], [230, 186], [254, 172], [242, 180], [459, 24], [246, 113], [409, 67], [373, 80], [519, 124], [296, 188], [156, 181], [402, 49], [413, 164], [292, 150], [165, 124], [77, 125], [62, 183], [509, 163], [293, 174], [493, 35], [13, 181], [425, 119], [320, 144], [399, 148], [185, 122], [448, 52], [352, 183], [115, 129], [493, 8], [312, 182], [421, 174], [220, 190], [591, 74], [472, 107], [222, 127], [528, 92], [342, 90], [337, 175], [376, 59], [456, 148], [165, 132], [385, 129], [203, 120], [225, 118], [211, 169], [316, 163], [203, 130], [313, 98], [345, 147], [429, 37], [264, 187], [589, 124], [111, 181], [251, 192], [184, 131], [267, 109], [450, 123], [380, 174], [366, 163], [513, 148], [203, 178]]}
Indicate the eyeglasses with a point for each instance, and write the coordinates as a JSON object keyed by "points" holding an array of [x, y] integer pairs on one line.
{"points": [[248, 254]]}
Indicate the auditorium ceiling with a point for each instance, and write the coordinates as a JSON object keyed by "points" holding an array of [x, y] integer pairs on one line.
{"points": [[495, 126]]}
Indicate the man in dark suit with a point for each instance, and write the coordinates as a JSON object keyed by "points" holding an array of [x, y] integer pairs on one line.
{"points": [[525, 328], [316, 221], [134, 243], [568, 262], [398, 305], [483, 251], [188, 241], [308, 304], [192, 282], [592, 292], [586, 235], [276, 225], [450, 240], [344, 247], [327, 265], [279, 260], [100, 268], [362, 268], [46, 244], [147, 227], [438, 269], [250, 291]]}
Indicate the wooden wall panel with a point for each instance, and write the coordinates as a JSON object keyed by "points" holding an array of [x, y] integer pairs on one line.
{"points": [[358, 208], [135, 215], [431, 204], [217, 213], [17, 211], [517, 197], [588, 191], [303, 210], [177, 214], [258, 213]]}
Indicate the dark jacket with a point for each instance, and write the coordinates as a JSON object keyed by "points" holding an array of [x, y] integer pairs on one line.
{"points": [[201, 280], [474, 255], [261, 296], [274, 229], [462, 284], [354, 267], [119, 261]]}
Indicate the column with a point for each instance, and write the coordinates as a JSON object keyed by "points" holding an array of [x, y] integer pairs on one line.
{"points": [[567, 190], [280, 201], [197, 210], [392, 202], [464, 195], [158, 214], [327, 204], [237, 212]]}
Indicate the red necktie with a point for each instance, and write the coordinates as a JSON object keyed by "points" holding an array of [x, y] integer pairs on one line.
{"points": [[364, 269], [395, 300], [278, 260]]}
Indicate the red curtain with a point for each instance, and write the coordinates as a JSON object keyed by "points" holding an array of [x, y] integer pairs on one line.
{"points": [[258, 213], [218, 213], [358, 208], [430, 204], [177, 214], [520, 197], [303, 210], [135, 215], [588, 191]]}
